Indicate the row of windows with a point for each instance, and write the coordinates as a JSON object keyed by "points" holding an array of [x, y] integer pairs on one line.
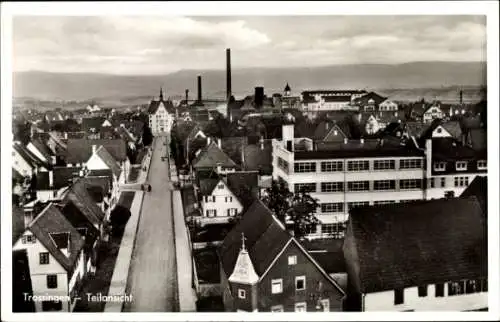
{"points": [[338, 207], [213, 198], [380, 185], [454, 288], [229, 212], [460, 165], [277, 284], [358, 165]]}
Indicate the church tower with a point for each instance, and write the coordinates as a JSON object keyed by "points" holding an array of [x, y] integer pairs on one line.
{"points": [[161, 94], [287, 91], [243, 282]]}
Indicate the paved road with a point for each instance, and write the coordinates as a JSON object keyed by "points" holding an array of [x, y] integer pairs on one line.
{"points": [[152, 279]]}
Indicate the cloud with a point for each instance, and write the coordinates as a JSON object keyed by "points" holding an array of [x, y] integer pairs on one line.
{"points": [[158, 44]]}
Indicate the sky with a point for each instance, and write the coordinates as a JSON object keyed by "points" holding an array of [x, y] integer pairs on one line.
{"points": [[157, 45]]}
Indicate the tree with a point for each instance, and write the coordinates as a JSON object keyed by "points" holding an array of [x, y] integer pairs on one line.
{"points": [[147, 135], [297, 208], [119, 217], [301, 213], [277, 198]]}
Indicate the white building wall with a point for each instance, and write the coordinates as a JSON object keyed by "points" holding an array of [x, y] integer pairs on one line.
{"points": [[20, 165], [37, 153], [45, 195], [39, 272], [161, 121], [222, 202], [384, 301]]}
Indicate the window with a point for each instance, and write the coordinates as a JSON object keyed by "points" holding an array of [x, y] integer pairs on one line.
{"points": [[28, 239], [384, 202], [304, 167], [292, 260], [332, 186], [384, 165], [461, 181], [301, 307], [443, 182], [51, 305], [213, 198], [439, 290], [277, 286], [399, 296], [449, 194], [325, 304], [472, 286], [232, 211], [456, 288], [305, 187], [221, 186], [439, 166], [44, 258], [51, 281], [358, 185], [332, 207], [431, 183], [358, 165], [242, 294], [461, 165], [283, 165], [422, 291], [300, 283], [211, 213], [384, 184], [229, 199], [277, 308], [333, 166], [409, 184], [481, 165], [351, 205]]}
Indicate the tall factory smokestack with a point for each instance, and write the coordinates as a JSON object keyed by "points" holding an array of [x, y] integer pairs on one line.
{"points": [[461, 97], [199, 89], [228, 74], [187, 96]]}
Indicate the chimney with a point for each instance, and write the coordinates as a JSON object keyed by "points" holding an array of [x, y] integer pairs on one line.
{"points": [[208, 140], [219, 143], [81, 173], [288, 135], [94, 148], [199, 88], [243, 145], [65, 135], [228, 74], [327, 125], [428, 157], [259, 96], [461, 97], [187, 96], [345, 140], [362, 141], [261, 141], [51, 178]]}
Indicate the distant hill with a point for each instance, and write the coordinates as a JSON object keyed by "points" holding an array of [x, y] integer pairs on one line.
{"points": [[130, 89]]}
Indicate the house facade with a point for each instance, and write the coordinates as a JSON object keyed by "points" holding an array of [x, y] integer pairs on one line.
{"points": [[56, 263], [258, 275], [218, 202], [161, 116], [432, 113]]}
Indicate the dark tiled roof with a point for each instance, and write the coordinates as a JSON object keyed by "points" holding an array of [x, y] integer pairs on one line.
{"points": [[43, 148], [80, 196], [29, 157], [16, 176], [423, 242], [207, 186], [211, 157], [453, 127], [108, 159], [264, 239], [244, 184], [448, 149], [337, 98], [257, 159], [478, 188], [331, 262], [416, 129], [478, 139], [17, 223], [233, 146], [153, 106], [92, 124], [62, 177], [50, 221], [80, 150], [356, 149], [363, 100]]}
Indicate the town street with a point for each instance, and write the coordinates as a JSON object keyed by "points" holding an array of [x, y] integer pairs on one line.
{"points": [[152, 278]]}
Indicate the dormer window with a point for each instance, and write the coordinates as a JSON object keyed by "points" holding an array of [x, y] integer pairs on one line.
{"points": [[461, 165], [242, 294], [481, 165], [439, 166]]}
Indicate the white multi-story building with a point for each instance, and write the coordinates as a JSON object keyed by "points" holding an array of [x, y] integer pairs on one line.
{"points": [[348, 174], [329, 100], [161, 116]]}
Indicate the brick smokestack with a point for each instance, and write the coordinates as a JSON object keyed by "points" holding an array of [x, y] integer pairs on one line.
{"points": [[199, 88], [461, 97], [259, 96], [187, 96], [228, 74]]}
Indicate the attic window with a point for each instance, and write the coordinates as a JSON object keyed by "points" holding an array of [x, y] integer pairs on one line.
{"points": [[481, 165], [461, 165], [439, 130], [439, 166], [221, 186]]}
